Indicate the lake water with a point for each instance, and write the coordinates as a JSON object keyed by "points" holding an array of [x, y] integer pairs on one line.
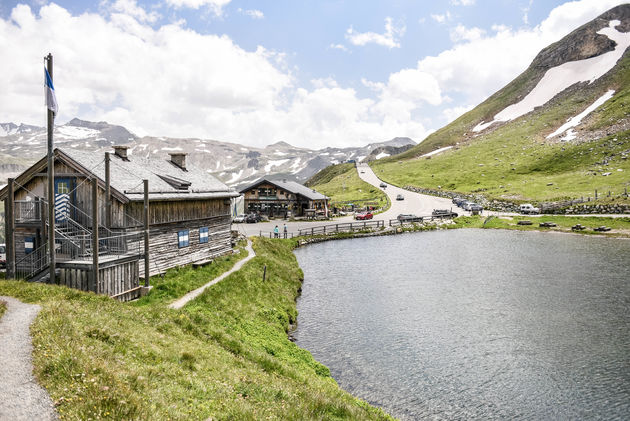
{"points": [[473, 324]]}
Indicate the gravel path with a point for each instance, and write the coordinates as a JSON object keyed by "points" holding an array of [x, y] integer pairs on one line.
{"points": [[193, 294], [21, 398]]}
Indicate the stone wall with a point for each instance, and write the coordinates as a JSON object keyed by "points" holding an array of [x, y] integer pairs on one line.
{"points": [[569, 207]]}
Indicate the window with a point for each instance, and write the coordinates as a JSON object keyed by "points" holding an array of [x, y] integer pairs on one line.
{"points": [[203, 235], [29, 245], [182, 239]]}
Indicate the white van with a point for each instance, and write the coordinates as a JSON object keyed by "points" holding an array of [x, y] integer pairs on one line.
{"points": [[528, 209]]}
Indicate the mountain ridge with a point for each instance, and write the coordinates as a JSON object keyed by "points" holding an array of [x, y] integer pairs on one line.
{"points": [[234, 164]]}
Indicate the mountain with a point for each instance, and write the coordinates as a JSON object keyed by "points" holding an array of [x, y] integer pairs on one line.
{"points": [[232, 163], [559, 130]]}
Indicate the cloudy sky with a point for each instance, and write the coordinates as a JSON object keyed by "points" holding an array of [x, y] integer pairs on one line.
{"points": [[311, 73]]}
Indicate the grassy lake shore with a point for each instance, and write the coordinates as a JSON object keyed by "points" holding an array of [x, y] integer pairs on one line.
{"points": [[226, 355]]}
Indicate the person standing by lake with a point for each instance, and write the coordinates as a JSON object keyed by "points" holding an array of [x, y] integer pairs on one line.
{"points": [[276, 232], [285, 230]]}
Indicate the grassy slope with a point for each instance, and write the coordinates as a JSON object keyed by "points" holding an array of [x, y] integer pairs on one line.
{"points": [[521, 145], [226, 355], [342, 184], [3, 308]]}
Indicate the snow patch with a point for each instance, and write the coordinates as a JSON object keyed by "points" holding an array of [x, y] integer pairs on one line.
{"points": [[75, 133], [575, 120], [381, 155], [438, 151], [558, 78], [280, 153], [235, 177], [272, 164], [177, 148], [296, 164]]}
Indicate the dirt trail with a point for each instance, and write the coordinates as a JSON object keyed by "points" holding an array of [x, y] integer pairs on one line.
{"points": [[21, 397]]}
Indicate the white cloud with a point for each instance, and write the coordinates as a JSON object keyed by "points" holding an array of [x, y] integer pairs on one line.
{"points": [[215, 5], [442, 18], [461, 33], [155, 85], [487, 62], [338, 47], [253, 13], [451, 114], [463, 2], [131, 8], [526, 10], [390, 39]]}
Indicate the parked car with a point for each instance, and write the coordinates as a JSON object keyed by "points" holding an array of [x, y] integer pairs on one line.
{"points": [[444, 213], [3, 255], [400, 197], [404, 217], [363, 216], [238, 219], [528, 209], [458, 201], [475, 208], [252, 218], [362, 172], [383, 185]]}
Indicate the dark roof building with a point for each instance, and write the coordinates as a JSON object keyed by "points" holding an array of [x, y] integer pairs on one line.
{"points": [[281, 197], [188, 217]]}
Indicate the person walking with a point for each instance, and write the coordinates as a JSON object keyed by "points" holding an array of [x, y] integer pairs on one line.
{"points": [[285, 230], [276, 232]]}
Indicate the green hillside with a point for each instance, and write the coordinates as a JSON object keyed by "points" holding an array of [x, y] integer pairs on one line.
{"points": [[514, 160], [342, 184], [224, 356]]}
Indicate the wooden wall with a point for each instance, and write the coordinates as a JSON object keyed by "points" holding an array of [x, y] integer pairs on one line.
{"points": [[118, 279], [166, 212], [164, 246]]}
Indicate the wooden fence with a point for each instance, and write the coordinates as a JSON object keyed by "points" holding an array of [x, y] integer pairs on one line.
{"points": [[328, 229]]}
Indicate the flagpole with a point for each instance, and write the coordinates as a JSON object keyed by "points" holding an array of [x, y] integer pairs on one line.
{"points": [[51, 181]]}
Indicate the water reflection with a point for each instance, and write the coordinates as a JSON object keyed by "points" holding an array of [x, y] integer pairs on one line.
{"points": [[473, 324]]}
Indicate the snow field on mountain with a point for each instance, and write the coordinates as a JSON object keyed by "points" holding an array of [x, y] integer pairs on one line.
{"points": [[558, 78], [575, 120]]}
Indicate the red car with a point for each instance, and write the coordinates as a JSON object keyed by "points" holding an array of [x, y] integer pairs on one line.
{"points": [[364, 216]]}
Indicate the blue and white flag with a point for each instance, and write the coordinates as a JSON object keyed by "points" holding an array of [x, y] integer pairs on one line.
{"points": [[51, 99]]}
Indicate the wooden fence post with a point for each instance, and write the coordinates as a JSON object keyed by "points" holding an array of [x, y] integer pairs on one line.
{"points": [[9, 224], [264, 272], [94, 284]]}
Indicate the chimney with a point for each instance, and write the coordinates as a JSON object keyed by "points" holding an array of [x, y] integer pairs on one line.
{"points": [[121, 152], [284, 180], [179, 159]]}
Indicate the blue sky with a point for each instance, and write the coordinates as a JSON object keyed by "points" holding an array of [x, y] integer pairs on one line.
{"points": [[312, 73]]}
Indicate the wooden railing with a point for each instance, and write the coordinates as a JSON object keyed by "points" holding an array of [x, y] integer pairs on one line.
{"points": [[328, 229]]}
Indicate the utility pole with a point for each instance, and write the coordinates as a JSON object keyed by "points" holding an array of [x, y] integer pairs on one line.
{"points": [[51, 181]]}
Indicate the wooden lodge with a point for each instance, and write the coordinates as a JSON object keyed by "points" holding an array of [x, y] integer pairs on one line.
{"points": [[279, 197], [107, 210]]}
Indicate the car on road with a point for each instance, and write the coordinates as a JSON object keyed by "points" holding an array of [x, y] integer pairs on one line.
{"points": [[466, 205], [407, 217], [475, 208], [458, 201], [362, 172], [252, 218], [362, 216], [443, 213], [400, 197], [528, 209], [238, 219], [383, 185]]}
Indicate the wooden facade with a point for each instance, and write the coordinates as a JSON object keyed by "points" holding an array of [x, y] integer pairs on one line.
{"points": [[202, 212], [281, 198]]}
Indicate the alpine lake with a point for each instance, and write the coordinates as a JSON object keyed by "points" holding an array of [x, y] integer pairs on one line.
{"points": [[473, 324]]}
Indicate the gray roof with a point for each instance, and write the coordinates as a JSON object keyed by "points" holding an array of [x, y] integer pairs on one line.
{"points": [[290, 186], [127, 175]]}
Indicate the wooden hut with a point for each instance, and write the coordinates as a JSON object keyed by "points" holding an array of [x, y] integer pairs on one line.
{"points": [[279, 197], [100, 221]]}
